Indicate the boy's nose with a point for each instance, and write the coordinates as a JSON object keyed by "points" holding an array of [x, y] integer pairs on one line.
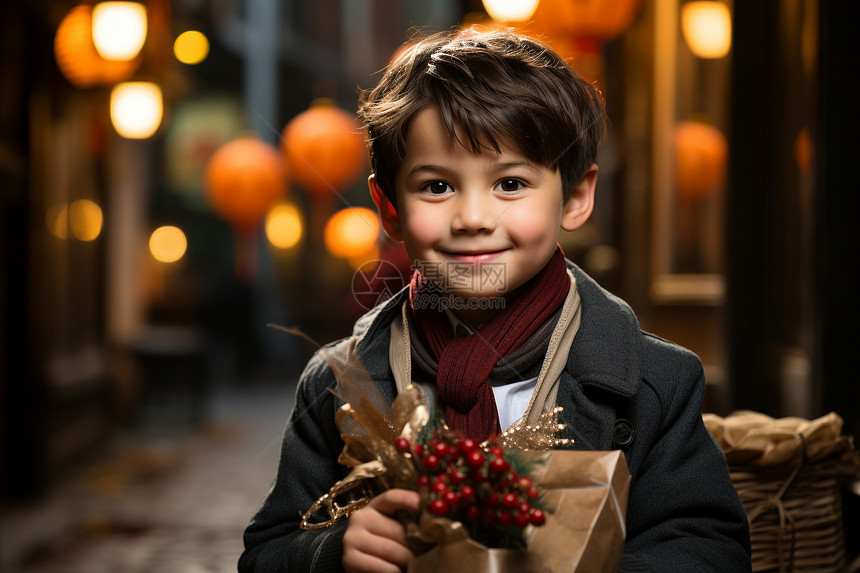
{"points": [[475, 214]]}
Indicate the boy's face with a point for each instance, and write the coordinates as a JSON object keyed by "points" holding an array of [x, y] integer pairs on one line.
{"points": [[478, 225]]}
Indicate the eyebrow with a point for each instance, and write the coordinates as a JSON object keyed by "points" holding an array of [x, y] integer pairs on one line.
{"points": [[494, 169]]}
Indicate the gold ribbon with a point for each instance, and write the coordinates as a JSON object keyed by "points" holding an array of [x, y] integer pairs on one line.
{"points": [[369, 450]]}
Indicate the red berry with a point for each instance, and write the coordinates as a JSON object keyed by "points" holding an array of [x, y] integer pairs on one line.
{"points": [[533, 493], [431, 462], [402, 444], [440, 449], [524, 483], [524, 507], [418, 450], [475, 459], [537, 517], [472, 513], [451, 498], [423, 481], [457, 477], [438, 507], [521, 519], [439, 487], [467, 493], [499, 465], [504, 519], [468, 445], [509, 500], [492, 500]]}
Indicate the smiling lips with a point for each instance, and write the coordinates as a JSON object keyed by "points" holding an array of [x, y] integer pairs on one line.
{"points": [[474, 256]]}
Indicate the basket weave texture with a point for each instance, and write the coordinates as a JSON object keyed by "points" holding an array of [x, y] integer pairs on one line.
{"points": [[788, 474]]}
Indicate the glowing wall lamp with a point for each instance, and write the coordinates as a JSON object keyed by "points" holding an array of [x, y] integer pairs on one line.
{"points": [[119, 29], [510, 10], [707, 28], [136, 109]]}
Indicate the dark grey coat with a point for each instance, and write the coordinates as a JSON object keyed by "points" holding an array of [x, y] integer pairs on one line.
{"points": [[622, 388]]}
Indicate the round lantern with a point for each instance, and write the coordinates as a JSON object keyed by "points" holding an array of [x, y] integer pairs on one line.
{"points": [[243, 179], [602, 19], [351, 232], [701, 154], [77, 57], [325, 148]]}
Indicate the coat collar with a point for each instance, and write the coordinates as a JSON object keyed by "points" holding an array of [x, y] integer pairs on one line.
{"points": [[606, 351]]}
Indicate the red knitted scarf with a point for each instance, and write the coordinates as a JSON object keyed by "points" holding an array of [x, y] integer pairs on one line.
{"points": [[465, 395]]}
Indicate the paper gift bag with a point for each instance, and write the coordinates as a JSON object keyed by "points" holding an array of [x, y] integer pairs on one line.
{"points": [[586, 499], [469, 556]]}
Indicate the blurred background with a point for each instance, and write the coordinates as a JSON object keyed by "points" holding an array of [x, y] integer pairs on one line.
{"points": [[176, 176]]}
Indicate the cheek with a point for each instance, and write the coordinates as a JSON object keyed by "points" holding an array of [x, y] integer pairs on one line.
{"points": [[422, 227], [534, 227]]}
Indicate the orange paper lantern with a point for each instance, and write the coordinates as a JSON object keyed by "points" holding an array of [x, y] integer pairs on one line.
{"points": [[244, 178], [601, 19], [325, 148], [701, 154], [77, 57]]}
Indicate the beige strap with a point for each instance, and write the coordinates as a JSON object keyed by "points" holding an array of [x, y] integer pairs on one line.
{"points": [[546, 388], [399, 351]]}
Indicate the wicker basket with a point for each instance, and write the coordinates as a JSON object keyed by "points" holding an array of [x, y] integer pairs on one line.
{"points": [[788, 474]]}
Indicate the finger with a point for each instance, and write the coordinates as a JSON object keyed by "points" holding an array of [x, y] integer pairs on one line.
{"points": [[390, 550], [395, 499], [370, 564]]}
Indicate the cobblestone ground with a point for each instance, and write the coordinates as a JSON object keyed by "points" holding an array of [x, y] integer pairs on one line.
{"points": [[175, 505]]}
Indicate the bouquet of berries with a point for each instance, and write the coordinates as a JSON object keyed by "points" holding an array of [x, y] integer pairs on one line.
{"points": [[482, 486], [514, 504]]}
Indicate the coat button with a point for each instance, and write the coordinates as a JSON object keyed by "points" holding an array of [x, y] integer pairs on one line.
{"points": [[623, 433]]}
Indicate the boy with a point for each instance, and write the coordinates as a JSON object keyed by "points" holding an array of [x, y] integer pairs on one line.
{"points": [[483, 148]]}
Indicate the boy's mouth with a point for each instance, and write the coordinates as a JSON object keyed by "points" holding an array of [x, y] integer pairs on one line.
{"points": [[474, 256]]}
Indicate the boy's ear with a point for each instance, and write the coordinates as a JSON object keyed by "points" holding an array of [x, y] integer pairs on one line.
{"points": [[578, 207], [387, 212]]}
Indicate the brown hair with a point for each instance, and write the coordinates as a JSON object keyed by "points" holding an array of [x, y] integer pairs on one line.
{"points": [[496, 87]]}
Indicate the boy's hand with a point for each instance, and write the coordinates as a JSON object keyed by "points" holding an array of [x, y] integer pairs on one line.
{"points": [[374, 541]]}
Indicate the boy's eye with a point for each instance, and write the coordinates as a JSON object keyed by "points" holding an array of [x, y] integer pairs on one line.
{"points": [[437, 187], [509, 185]]}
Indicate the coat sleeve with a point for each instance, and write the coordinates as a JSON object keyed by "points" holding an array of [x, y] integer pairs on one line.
{"points": [[684, 513], [308, 467]]}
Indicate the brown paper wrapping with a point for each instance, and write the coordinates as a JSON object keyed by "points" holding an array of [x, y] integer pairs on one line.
{"points": [[472, 557], [586, 498]]}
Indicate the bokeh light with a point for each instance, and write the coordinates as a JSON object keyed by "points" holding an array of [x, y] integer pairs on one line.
{"points": [[510, 10], [136, 109], [351, 232], [284, 225], [85, 219], [191, 47], [707, 27], [119, 29], [168, 244]]}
